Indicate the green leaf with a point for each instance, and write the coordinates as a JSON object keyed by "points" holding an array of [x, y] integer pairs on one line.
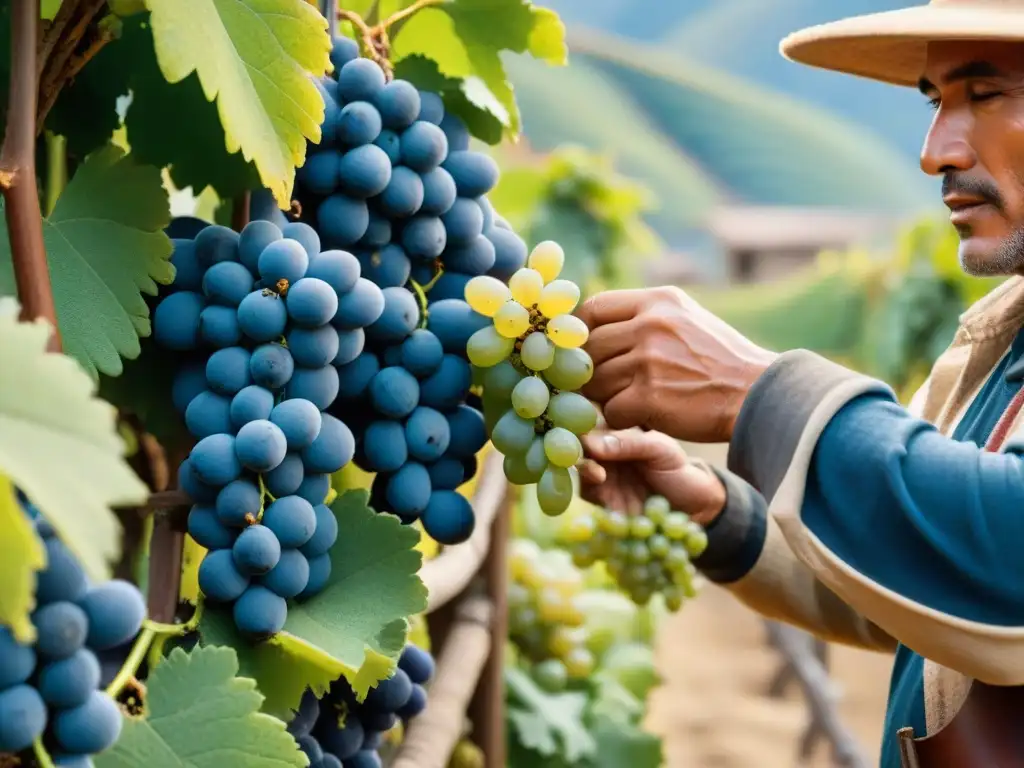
{"points": [[21, 555], [466, 37], [104, 245], [255, 57], [355, 627], [86, 110], [619, 744], [175, 126], [548, 723], [201, 715], [59, 444]]}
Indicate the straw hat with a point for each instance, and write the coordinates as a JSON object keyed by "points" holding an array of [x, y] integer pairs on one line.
{"points": [[892, 46]]}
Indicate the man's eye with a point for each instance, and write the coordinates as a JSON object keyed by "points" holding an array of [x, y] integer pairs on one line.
{"points": [[985, 96], [934, 103]]}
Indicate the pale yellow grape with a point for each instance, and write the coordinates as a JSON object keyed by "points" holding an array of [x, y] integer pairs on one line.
{"points": [[567, 331], [580, 529], [571, 369], [526, 286], [486, 294], [487, 347], [559, 297], [530, 397], [512, 320], [548, 258], [579, 663], [537, 352]]}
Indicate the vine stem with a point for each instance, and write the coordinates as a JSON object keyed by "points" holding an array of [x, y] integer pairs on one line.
{"points": [[131, 665], [42, 756], [421, 299], [18, 175], [405, 13]]}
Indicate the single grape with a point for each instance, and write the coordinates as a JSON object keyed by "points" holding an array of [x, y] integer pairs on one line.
{"points": [[408, 490], [332, 449], [299, 420], [260, 446], [324, 536], [259, 612], [311, 302], [526, 287], [271, 366], [218, 326], [487, 347], [286, 477], [547, 258], [227, 283], [427, 434], [448, 518], [570, 370], [568, 331], [317, 347], [641, 527], [339, 269], [537, 352], [573, 412], [176, 321], [219, 578], [500, 380], [487, 295], [657, 508], [512, 320], [512, 435], [530, 397], [292, 520], [290, 576], [262, 316], [559, 297], [256, 550], [562, 447], [675, 526], [17, 661], [554, 490], [24, 718], [68, 682], [238, 504], [206, 528], [214, 461], [62, 579]]}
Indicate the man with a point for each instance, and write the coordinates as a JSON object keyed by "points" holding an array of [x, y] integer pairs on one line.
{"points": [[871, 525]]}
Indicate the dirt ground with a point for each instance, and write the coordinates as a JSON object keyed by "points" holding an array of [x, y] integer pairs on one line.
{"points": [[712, 709]]}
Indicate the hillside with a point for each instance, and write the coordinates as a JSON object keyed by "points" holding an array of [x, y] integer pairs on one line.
{"points": [[742, 37], [698, 136]]}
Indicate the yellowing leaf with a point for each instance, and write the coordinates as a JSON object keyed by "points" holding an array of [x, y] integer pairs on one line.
{"points": [[59, 444], [255, 58], [21, 555]]}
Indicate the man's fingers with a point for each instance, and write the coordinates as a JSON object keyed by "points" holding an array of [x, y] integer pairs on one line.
{"points": [[622, 445], [611, 340], [628, 408], [610, 307], [592, 473], [610, 379]]}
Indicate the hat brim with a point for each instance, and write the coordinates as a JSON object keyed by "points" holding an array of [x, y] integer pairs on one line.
{"points": [[893, 46]]}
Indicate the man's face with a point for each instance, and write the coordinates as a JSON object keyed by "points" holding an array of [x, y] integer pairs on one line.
{"points": [[976, 143]]}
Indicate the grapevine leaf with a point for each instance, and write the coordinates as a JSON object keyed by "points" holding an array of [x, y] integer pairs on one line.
{"points": [[200, 714], [104, 247], [50, 418], [86, 110], [356, 627], [162, 113], [21, 555], [255, 57], [621, 744], [466, 37], [539, 717]]}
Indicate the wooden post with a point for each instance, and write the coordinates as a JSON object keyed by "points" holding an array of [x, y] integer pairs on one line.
{"points": [[488, 707]]}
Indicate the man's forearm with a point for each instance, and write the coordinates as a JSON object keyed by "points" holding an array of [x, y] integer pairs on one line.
{"points": [[747, 555], [918, 532]]}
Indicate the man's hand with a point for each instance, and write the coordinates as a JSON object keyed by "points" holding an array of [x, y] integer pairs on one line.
{"points": [[663, 362], [624, 468]]}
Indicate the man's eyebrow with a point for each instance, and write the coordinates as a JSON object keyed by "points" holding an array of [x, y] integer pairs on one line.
{"points": [[977, 68]]}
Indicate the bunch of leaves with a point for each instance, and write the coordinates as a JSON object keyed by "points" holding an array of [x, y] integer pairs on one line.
{"points": [[597, 726], [575, 197]]}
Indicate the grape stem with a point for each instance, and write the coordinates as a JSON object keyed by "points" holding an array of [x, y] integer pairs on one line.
{"points": [[421, 299], [151, 631], [42, 756]]}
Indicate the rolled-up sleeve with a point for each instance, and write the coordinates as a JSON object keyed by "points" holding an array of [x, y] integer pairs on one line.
{"points": [[918, 533]]}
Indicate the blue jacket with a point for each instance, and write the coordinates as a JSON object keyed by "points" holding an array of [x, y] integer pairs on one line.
{"points": [[873, 527]]}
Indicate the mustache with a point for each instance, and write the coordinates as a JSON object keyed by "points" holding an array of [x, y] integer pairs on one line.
{"points": [[965, 185]]}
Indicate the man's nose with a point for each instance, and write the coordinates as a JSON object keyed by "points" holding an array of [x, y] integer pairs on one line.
{"points": [[947, 146]]}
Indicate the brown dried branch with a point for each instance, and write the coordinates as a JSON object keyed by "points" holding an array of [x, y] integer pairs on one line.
{"points": [[18, 174]]}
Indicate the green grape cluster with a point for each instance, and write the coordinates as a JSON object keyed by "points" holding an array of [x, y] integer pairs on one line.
{"points": [[544, 621], [533, 363], [646, 554]]}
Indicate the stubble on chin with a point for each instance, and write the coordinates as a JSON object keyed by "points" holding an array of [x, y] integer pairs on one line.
{"points": [[1006, 260]]}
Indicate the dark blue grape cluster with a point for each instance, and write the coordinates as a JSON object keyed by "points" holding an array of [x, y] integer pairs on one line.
{"points": [[267, 320], [51, 688], [339, 732], [393, 181]]}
